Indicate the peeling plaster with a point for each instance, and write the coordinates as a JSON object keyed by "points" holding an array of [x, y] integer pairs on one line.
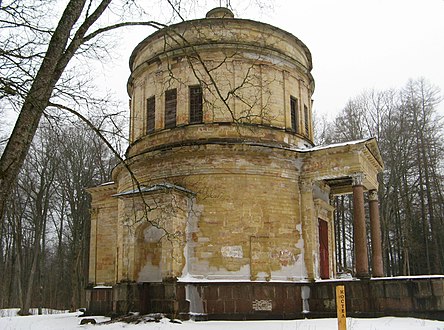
{"points": [[150, 272]]}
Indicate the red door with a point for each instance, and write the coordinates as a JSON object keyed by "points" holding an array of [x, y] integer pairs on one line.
{"points": [[323, 249]]}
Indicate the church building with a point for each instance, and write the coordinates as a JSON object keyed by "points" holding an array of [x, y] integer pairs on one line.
{"points": [[222, 206]]}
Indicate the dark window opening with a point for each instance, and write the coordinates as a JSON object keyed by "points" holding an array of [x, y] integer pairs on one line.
{"points": [[196, 115], [150, 114], [306, 121], [170, 108], [294, 113]]}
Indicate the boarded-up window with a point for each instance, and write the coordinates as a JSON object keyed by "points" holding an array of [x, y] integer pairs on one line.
{"points": [[306, 121], [195, 104], [170, 108], [150, 114], [294, 113]]}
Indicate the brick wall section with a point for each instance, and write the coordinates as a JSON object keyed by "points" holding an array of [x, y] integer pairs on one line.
{"points": [[99, 301], [415, 297], [420, 297]]}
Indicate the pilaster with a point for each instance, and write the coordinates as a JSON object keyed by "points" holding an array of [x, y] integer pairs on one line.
{"points": [[309, 228]]}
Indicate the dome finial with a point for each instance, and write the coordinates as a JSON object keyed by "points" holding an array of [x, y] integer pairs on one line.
{"points": [[220, 12]]}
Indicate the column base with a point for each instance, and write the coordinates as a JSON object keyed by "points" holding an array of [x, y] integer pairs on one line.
{"points": [[363, 276]]}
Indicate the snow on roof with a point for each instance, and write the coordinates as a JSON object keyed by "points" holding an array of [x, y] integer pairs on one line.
{"points": [[335, 145], [153, 188], [107, 183], [188, 278]]}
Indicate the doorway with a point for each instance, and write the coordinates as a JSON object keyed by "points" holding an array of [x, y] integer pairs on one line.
{"points": [[323, 249]]}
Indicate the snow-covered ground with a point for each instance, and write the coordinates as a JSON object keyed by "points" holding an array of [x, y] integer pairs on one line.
{"points": [[70, 321]]}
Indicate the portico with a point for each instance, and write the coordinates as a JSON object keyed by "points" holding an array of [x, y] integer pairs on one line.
{"points": [[352, 168]]}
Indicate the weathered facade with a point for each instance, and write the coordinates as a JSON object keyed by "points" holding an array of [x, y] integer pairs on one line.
{"points": [[222, 182]]}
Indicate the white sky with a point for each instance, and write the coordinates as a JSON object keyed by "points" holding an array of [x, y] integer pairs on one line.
{"points": [[361, 44], [356, 45]]}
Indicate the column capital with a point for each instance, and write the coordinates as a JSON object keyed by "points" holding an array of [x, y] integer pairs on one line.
{"points": [[94, 211], [357, 179], [373, 195]]}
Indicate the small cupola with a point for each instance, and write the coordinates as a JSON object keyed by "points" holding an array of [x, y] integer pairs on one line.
{"points": [[220, 12]]}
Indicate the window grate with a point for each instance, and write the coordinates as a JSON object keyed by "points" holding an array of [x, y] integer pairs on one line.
{"points": [[150, 114], [294, 113], [196, 115], [306, 121], [170, 108]]}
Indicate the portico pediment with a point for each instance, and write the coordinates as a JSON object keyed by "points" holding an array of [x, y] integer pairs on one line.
{"points": [[338, 164]]}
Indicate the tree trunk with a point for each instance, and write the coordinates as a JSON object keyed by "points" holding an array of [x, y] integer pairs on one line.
{"points": [[36, 101], [24, 309]]}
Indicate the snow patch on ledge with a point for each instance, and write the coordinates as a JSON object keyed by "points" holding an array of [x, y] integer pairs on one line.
{"points": [[394, 278], [330, 280], [103, 287], [156, 187], [334, 145], [413, 277], [188, 278], [107, 183]]}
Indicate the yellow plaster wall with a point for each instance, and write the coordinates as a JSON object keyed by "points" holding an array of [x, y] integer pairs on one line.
{"points": [[104, 224], [242, 82], [253, 217], [251, 214], [243, 194], [152, 237]]}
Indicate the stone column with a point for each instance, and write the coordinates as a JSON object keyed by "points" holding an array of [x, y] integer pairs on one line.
{"points": [[375, 228], [359, 231]]}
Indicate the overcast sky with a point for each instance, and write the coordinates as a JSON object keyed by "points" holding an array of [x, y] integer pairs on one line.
{"points": [[365, 44], [355, 44]]}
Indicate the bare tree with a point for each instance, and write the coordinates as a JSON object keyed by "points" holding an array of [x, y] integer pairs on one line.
{"points": [[42, 60], [36, 79], [36, 184], [44, 245], [409, 133], [36, 70]]}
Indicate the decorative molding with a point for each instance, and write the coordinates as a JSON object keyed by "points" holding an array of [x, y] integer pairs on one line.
{"points": [[358, 179], [373, 195], [262, 305], [324, 210], [94, 211]]}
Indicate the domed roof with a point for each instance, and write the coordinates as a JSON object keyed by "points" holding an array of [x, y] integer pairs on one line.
{"points": [[220, 20]]}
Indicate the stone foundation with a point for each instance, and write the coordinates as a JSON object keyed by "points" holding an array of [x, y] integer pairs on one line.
{"points": [[99, 300], [413, 297], [168, 298]]}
